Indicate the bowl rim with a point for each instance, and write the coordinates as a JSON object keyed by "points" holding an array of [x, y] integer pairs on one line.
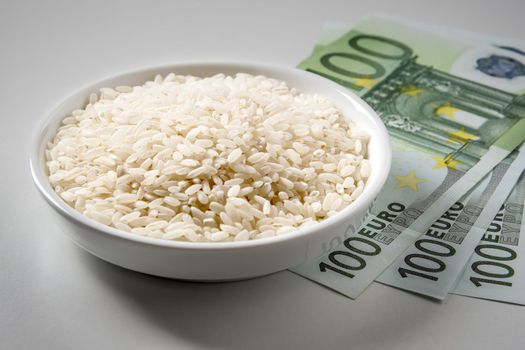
{"points": [[364, 200]]}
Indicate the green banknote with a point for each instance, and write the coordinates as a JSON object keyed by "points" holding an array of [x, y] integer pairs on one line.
{"points": [[447, 131], [433, 264], [496, 268]]}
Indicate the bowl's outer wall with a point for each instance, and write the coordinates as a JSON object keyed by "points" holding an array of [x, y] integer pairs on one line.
{"points": [[204, 265], [228, 263]]}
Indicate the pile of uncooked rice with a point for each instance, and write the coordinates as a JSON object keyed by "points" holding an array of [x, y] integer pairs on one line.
{"points": [[208, 159]]}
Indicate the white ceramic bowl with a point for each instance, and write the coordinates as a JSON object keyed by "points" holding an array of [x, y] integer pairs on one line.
{"points": [[216, 261]]}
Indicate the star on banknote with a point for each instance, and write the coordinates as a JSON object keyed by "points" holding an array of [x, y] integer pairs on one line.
{"points": [[410, 180]]}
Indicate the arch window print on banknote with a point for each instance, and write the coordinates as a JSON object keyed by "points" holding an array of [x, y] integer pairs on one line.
{"points": [[448, 133]]}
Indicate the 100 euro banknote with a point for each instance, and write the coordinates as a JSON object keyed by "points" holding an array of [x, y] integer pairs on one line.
{"points": [[433, 264], [447, 133], [496, 267]]}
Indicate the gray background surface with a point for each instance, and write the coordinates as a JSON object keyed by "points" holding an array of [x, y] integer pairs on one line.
{"points": [[53, 295]]}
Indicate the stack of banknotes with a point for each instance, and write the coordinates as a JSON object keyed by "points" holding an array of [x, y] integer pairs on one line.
{"points": [[449, 218]]}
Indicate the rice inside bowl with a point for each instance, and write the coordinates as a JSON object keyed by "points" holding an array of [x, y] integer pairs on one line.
{"points": [[224, 158]]}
